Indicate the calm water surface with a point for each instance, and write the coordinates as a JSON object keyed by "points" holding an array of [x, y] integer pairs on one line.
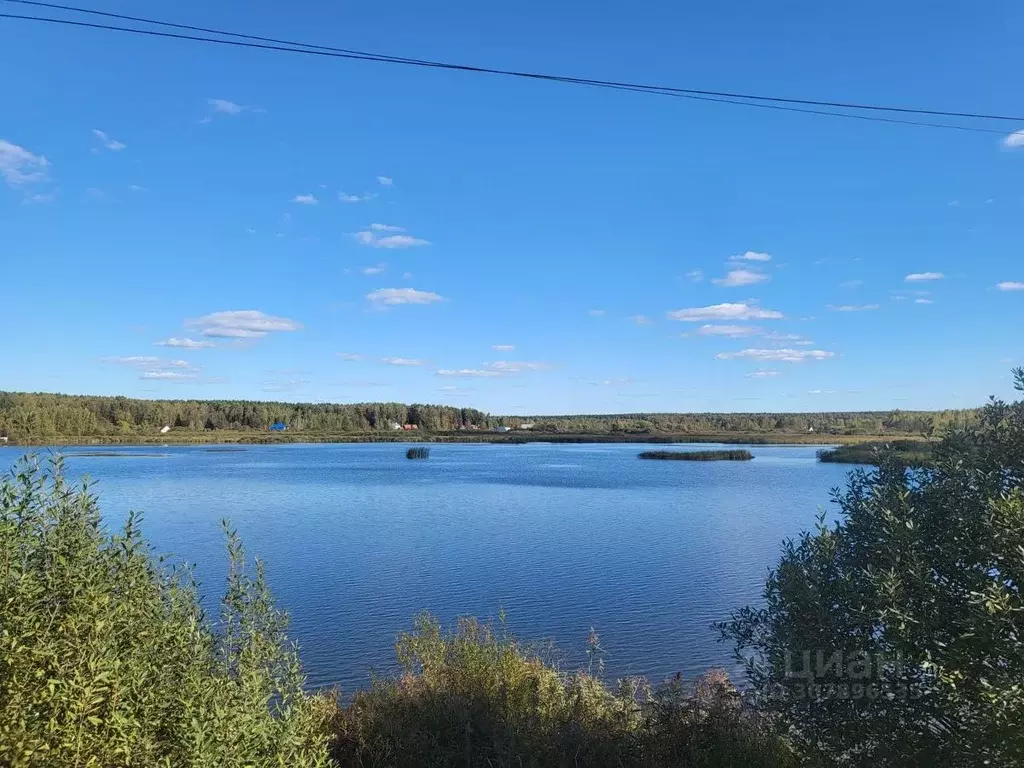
{"points": [[357, 539]]}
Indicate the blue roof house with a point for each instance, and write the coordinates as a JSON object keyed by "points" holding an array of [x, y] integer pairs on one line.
{"points": [[278, 426]]}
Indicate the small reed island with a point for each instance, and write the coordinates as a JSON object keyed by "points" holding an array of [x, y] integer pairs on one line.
{"points": [[733, 455], [418, 453]]}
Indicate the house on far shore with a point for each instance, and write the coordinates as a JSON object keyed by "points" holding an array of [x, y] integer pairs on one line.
{"points": [[529, 425], [3, 439], [503, 429], [278, 426], [164, 430], [395, 425], [810, 429], [410, 427]]}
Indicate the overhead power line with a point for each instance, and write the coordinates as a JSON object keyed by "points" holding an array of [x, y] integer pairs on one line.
{"points": [[276, 44]]}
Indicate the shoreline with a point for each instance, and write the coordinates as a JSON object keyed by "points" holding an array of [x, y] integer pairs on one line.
{"points": [[242, 438]]}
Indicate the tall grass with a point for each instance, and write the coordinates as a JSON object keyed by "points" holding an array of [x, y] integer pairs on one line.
{"points": [[417, 453]]}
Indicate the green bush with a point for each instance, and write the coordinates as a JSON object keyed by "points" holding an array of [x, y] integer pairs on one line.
{"points": [[476, 697], [896, 637], [107, 660]]}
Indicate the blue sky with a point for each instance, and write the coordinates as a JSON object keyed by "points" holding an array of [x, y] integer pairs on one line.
{"points": [[192, 221]]}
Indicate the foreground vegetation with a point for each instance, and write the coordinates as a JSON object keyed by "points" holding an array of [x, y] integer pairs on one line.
{"points": [[48, 418], [917, 453], [894, 637], [697, 455]]}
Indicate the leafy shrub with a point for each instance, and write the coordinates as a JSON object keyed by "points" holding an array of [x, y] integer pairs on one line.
{"points": [[896, 637], [106, 658], [477, 697]]}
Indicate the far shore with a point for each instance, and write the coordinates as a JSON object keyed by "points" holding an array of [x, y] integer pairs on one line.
{"points": [[228, 437]]}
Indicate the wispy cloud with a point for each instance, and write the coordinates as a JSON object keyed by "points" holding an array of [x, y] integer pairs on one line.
{"points": [[370, 238], [374, 270], [751, 256], [402, 361], [851, 284], [112, 144], [468, 373], [1010, 285], [225, 107], [305, 200], [19, 167], [184, 343], [730, 331], [727, 311], [596, 313], [516, 366], [350, 356], [503, 347], [386, 228], [923, 301], [166, 375], [853, 307], [345, 197], [641, 320], [739, 277], [762, 373], [917, 277], [136, 188], [694, 275], [1014, 140], [776, 355], [385, 181], [41, 198], [242, 324], [395, 296]]}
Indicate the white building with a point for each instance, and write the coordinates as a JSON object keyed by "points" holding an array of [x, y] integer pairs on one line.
{"points": [[530, 425], [164, 430]]}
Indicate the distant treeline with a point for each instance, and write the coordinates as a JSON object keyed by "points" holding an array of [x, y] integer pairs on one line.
{"points": [[40, 415]]}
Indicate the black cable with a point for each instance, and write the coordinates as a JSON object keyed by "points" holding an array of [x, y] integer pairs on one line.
{"points": [[362, 56], [514, 73]]}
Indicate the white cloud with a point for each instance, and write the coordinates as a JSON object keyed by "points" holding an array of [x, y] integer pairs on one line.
{"points": [[347, 198], [596, 313], [242, 324], [136, 188], [1010, 285], [385, 181], [1014, 140], [776, 355], [739, 277], [732, 331], [916, 277], [468, 373], [394, 296], [695, 275], [375, 270], [853, 307], [184, 343], [725, 312], [18, 166], [367, 237], [851, 284], [112, 144], [788, 338], [503, 347], [641, 320], [350, 356], [386, 228], [923, 301], [166, 375], [401, 361], [751, 256], [506, 366], [305, 200], [762, 373], [226, 107], [41, 197]]}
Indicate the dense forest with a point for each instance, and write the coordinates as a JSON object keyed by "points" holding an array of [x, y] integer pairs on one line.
{"points": [[27, 416]]}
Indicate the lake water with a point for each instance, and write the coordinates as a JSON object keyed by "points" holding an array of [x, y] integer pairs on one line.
{"points": [[357, 539]]}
